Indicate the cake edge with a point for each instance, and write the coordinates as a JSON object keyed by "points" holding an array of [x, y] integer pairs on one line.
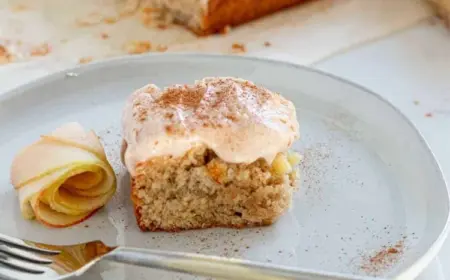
{"points": [[223, 13], [138, 216]]}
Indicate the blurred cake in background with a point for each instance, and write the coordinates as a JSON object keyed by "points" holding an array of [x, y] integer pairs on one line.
{"points": [[442, 8], [210, 16]]}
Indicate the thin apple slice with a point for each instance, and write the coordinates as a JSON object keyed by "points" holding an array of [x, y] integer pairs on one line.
{"points": [[63, 178]]}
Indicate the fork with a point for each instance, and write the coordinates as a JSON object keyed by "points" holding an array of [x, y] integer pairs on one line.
{"points": [[22, 259]]}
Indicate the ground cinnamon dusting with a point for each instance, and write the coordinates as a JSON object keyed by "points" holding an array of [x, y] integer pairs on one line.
{"points": [[383, 259], [169, 129], [169, 115], [232, 118], [212, 102], [174, 96]]}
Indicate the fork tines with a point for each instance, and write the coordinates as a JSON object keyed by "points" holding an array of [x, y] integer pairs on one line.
{"points": [[9, 263], [19, 244], [18, 257]]}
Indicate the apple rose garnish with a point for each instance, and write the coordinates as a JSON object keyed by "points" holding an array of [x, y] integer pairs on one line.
{"points": [[63, 178]]}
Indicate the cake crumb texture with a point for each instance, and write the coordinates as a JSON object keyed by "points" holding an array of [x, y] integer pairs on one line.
{"points": [[199, 190]]}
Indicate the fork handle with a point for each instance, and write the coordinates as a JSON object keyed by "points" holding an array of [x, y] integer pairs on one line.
{"points": [[223, 268]]}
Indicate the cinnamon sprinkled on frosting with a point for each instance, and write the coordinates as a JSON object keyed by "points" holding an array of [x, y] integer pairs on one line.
{"points": [[181, 96], [240, 121]]}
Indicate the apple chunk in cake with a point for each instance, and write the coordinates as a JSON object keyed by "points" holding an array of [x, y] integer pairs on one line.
{"points": [[210, 154]]}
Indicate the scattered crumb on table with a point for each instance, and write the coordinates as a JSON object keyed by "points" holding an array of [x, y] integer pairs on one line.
{"points": [[90, 19], [5, 55], [138, 47], [19, 8], [428, 115], [41, 50], [104, 35], [110, 20], [238, 47], [86, 59], [161, 48]]}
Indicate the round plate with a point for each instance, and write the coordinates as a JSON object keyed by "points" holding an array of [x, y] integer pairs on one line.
{"points": [[372, 199]]}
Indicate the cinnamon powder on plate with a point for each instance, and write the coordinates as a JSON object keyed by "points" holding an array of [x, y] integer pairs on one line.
{"points": [[383, 259]]}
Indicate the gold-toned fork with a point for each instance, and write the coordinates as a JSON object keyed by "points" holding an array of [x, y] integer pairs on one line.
{"points": [[20, 259]]}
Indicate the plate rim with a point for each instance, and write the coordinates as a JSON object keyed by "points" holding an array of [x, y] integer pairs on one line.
{"points": [[410, 272]]}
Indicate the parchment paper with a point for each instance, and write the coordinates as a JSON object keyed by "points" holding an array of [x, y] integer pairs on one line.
{"points": [[82, 30]]}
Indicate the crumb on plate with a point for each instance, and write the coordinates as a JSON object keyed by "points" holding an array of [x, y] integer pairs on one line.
{"points": [[383, 259]]}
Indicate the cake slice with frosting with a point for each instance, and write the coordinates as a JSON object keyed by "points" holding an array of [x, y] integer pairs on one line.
{"points": [[442, 8], [215, 153]]}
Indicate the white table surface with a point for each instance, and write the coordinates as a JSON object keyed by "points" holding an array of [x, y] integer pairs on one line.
{"points": [[410, 66]]}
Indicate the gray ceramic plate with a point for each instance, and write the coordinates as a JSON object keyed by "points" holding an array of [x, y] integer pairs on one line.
{"points": [[369, 180]]}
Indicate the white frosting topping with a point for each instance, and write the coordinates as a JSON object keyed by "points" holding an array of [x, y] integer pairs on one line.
{"points": [[238, 120]]}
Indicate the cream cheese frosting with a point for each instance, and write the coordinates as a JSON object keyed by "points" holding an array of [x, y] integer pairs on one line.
{"points": [[239, 121]]}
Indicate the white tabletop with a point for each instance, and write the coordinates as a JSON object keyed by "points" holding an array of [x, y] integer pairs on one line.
{"points": [[409, 68]]}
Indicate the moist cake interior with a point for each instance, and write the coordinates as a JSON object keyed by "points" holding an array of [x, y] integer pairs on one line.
{"points": [[200, 190]]}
